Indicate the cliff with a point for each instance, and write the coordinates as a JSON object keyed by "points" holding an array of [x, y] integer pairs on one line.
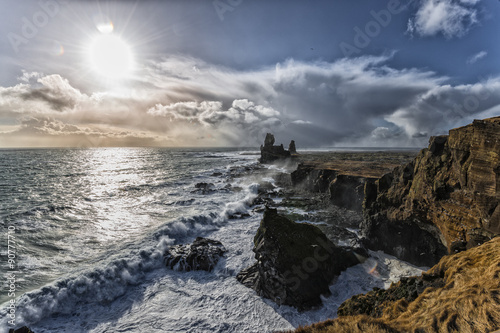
{"points": [[343, 180], [459, 294], [444, 201]]}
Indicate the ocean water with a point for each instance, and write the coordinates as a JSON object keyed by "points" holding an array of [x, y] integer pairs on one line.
{"points": [[88, 229]]}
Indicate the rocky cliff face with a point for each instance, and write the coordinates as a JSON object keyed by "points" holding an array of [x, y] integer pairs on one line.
{"points": [[343, 180], [445, 201], [295, 262]]}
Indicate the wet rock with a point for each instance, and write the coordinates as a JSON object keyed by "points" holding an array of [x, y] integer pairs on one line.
{"points": [[270, 153], [202, 254], [23, 329], [265, 188], [348, 192], [446, 200], [204, 188], [295, 262], [238, 215], [310, 178]]}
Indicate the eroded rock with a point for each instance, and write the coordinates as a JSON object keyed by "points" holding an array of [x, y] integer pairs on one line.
{"points": [[295, 262], [270, 153], [446, 200]]}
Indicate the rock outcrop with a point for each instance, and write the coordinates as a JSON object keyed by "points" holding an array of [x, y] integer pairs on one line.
{"points": [[270, 153], [295, 262], [445, 201], [344, 181], [202, 254], [291, 148], [459, 294]]}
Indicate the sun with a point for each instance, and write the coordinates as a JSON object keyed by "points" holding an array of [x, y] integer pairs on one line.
{"points": [[110, 56]]}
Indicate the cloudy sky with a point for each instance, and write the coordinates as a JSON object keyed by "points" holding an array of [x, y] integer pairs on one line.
{"points": [[225, 72]]}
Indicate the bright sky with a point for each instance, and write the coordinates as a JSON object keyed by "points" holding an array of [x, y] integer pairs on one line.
{"points": [[225, 72]]}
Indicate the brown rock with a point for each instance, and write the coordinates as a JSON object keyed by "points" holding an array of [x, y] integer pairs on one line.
{"points": [[445, 201]]}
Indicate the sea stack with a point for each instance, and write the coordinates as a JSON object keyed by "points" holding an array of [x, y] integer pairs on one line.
{"points": [[295, 262], [270, 153]]}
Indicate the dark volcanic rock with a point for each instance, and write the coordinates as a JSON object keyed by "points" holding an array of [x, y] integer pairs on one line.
{"points": [[308, 177], [295, 262], [291, 147], [202, 254], [345, 191], [348, 192], [445, 201], [270, 153], [204, 188], [375, 302], [23, 329]]}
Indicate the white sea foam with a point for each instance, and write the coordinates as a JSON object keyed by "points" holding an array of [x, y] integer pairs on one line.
{"points": [[128, 289]]}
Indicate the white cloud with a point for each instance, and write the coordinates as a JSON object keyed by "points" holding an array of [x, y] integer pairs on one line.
{"points": [[448, 17], [478, 56], [357, 101]]}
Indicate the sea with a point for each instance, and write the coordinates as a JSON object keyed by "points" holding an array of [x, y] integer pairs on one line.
{"points": [[83, 233]]}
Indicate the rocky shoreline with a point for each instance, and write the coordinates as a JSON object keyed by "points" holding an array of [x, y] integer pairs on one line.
{"points": [[438, 207], [442, 202]]}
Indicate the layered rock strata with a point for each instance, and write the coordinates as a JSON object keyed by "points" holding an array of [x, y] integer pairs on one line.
{"points": [[295, 262], [445, 201], [343, 180]]}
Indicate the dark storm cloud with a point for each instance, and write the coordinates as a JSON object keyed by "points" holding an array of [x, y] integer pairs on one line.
{"points": [[359, 101]]}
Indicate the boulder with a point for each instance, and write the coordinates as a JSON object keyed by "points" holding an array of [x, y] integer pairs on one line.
{"points": [[270, 153], [202, 254], [204, 188], [295, 262], [445, 201]]}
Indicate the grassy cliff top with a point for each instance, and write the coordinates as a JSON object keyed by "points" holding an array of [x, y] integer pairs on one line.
{"points": [[467, 300], [370, 164]]}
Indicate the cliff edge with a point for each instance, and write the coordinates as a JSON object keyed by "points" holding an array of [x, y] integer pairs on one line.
{"points": [[443, 202], [460, 294]]}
